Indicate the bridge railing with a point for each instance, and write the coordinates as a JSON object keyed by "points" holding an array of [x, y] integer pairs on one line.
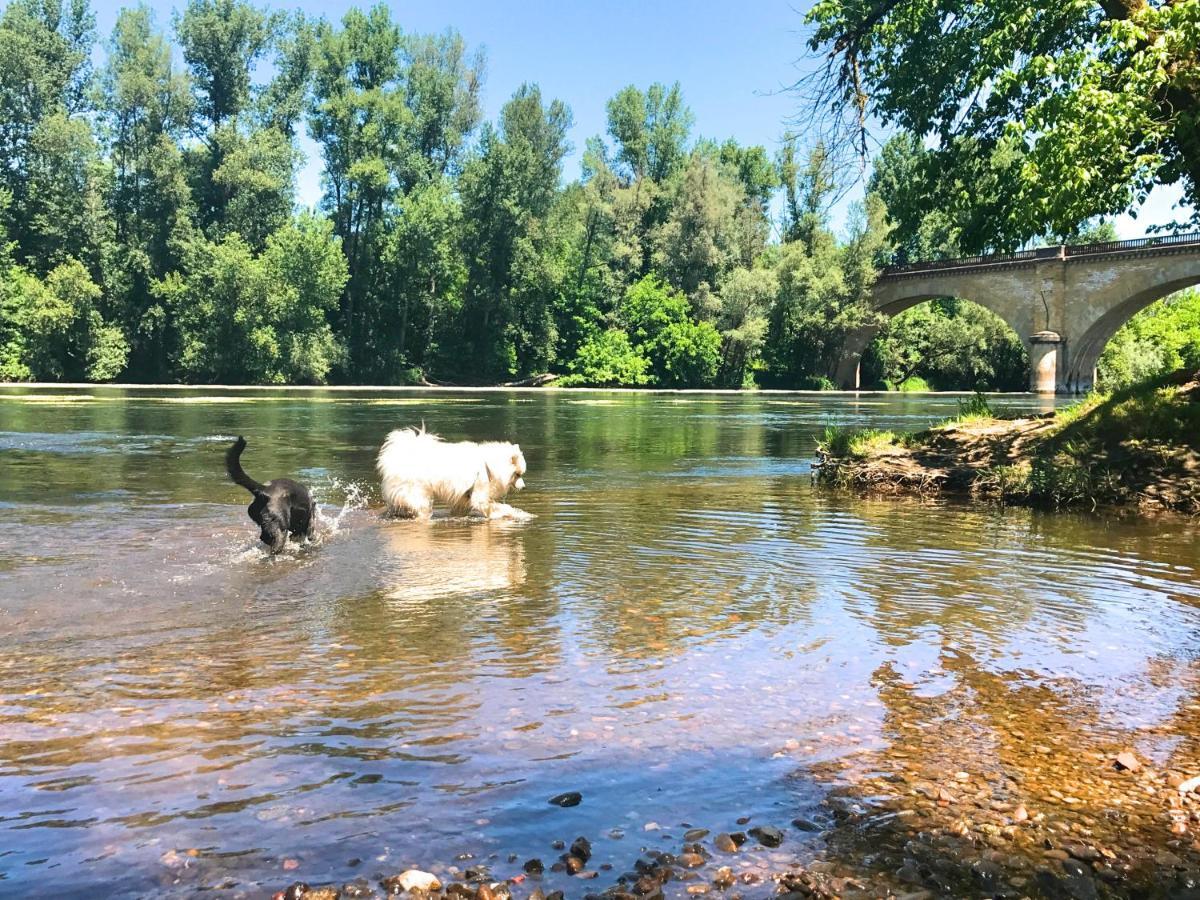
{"points": [[1068, 250], [1165, 240]]}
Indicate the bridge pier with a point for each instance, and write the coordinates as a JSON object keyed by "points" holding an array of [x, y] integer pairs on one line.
{"points": [[1047, 362]]}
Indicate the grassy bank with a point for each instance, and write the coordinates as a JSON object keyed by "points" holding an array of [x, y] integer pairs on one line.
{"points": [[1139, 446]]}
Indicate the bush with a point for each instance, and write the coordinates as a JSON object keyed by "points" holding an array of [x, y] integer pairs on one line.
{"points": [[817, 383], [52, 330], [914, 384], [608, 359], [681, 352]]}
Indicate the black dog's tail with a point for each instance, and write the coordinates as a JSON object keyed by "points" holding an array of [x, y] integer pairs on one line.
{"points": [[233, 465]]}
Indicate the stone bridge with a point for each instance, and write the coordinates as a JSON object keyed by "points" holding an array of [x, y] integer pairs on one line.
{"points": [[1064, 302]]}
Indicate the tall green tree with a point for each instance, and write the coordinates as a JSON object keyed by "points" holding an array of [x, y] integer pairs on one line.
{"points": [[147, 109], [47, 154], [508, 192]]}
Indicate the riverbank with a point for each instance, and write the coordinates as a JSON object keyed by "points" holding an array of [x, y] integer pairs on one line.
{"points": [[469, 389], [1136, 448]]}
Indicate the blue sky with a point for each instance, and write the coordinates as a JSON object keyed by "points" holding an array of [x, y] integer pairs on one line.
{"points": [[733, 60]]}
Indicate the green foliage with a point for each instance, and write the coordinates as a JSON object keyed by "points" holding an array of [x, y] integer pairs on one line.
{"points": [[261, 318], [841, 442], [914, 384], [951, 345], [975, 407], [1040, 117], [824, 292], [681, 351], [607, 359], [151, 210], [1162, 338], [53, 330]]}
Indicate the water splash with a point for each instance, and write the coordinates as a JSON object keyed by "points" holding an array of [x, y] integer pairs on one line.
{"points": [[355, 496]]}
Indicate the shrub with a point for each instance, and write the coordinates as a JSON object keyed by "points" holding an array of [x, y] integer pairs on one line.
{"points": [[607, 359]]}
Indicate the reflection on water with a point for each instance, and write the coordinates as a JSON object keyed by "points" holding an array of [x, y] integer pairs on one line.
{"points": [[687, 632]]}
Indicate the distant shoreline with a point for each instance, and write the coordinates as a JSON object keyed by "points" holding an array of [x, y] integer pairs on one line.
{"points": [[488, 389]]}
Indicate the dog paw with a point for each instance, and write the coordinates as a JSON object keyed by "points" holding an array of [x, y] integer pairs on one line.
{"points": [[509, 513]]}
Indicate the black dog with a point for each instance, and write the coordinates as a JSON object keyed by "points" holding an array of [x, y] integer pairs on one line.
{"points": [[281, 507]]}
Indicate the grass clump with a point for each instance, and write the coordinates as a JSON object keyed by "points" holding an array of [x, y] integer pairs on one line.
{"points": [[855, 443], [975, 407]]}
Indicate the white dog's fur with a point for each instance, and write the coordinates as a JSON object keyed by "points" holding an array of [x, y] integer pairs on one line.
{"points": [[419, 469]]}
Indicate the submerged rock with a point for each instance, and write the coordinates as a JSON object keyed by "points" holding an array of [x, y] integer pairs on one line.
{"points": [[570, 798], [725, 843], [582, 848], [767, 835]]}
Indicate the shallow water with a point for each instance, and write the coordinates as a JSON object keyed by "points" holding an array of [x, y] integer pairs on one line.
{"points": [[687, 632]]}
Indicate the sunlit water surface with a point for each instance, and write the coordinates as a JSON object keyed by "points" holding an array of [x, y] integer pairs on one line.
{"points": [[687, 632]]}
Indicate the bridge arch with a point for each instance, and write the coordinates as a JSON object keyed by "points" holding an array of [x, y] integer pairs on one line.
{"points": [[895, 296], [1085, 355]]}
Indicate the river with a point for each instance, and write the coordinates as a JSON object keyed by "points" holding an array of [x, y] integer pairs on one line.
{"points": [[688, 633]]}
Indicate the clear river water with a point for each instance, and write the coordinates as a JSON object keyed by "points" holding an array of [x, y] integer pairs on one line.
{"points": [[689, 633]]}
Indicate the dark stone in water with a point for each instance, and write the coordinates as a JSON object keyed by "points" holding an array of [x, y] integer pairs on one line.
{"points": [[691, 860], [558, 845], [555, 895], [767, 835], [647, 886], [744, 820], [574, 864], [696, 834], [534, 866], [725, 843], [571, 798], [806, 824], [295, 891], [582, 848]]}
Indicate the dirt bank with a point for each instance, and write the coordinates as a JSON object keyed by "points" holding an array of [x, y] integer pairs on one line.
{"points": [[1138, 448]]}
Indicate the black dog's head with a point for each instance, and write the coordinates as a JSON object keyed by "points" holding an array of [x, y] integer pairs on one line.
{"points": [[273, 529]]}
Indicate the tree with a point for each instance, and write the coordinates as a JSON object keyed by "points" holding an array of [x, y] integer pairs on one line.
{"points": [[950, 345], [808, 191], [392, 115], [147, 107], [53, 330], [1051, 115], [508, 191], [261, 319], [746, 298], [824, 293], [47, 155], [650, 130], [424, 273], [606, 358], [698, 241], [1162, 338], [680, 351]]}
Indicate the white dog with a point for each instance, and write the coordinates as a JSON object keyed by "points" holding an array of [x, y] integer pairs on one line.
{"points": [[419, 469]]}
